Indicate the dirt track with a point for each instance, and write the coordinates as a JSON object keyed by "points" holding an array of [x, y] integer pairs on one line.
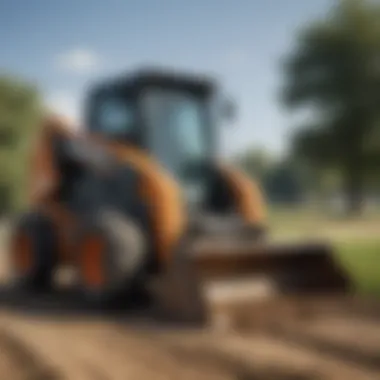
{"points": [[315, 342], [44, 339]]}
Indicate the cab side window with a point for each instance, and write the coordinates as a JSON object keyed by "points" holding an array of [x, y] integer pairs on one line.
{"points": [[113, 115]]}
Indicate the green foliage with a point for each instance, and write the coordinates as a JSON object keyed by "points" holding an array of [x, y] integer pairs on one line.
{"points": [[19, 115], [335, 72], [284, 184], [257, 162], [362, 260]]}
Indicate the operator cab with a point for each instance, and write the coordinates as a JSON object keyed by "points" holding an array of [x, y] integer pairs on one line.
{"points": [[169, 115]]}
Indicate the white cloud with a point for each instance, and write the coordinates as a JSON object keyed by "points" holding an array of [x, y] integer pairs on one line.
{"points": [[78, 60]]}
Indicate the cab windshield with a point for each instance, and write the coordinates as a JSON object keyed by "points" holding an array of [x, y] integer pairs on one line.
{"points": [[114, 115], [178, 134], [177, 126]]}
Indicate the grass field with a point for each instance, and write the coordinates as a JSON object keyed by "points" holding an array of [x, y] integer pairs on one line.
{"points": [[356, 240]]}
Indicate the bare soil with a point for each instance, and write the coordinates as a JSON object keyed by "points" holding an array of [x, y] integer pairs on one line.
{"points": [[295, 339], [47, 338]]}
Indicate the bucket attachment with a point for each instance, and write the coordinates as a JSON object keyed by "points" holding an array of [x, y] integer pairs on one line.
{"points": [[208, 275]]}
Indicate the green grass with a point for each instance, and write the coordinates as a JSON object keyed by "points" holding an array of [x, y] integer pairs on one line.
{"points": [[356, 241], [362, 260]]}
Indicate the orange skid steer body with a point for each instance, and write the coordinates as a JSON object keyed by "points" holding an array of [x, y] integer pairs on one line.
{"points": [[138, 206]]}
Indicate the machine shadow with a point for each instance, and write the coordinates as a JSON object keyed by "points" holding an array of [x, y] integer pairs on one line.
{"points": [[67, 304]]}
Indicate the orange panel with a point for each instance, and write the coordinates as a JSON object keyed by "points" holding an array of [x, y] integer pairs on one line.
{"points": [[158, 188], [44, 176], [23, 252], [160, 192], [247, 193], [92, 251], [44, 181]]}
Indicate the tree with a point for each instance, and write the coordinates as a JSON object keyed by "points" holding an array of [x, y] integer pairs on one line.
{"points": [[334, 72], [283, 183], [256, 162], [20, 110]]}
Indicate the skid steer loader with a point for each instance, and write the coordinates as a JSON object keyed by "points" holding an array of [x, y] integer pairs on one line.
{"points": [[139, 205]]}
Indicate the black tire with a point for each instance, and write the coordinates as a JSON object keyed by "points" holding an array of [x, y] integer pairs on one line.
{"points": [[123, 260], [41, 234]]}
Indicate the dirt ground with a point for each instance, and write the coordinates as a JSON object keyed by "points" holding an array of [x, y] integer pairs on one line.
{"points": [[42, 338], [326, 340]]}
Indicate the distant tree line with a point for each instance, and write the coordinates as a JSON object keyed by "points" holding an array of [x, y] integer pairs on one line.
{"points": [[287, 179], [332, 73], [280, 178]]}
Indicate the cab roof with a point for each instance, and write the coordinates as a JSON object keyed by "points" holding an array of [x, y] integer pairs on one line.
{"points": [[148, 77]]}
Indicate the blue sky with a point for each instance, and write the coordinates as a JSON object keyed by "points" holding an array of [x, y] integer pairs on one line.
{"points": [[64, 45]]}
